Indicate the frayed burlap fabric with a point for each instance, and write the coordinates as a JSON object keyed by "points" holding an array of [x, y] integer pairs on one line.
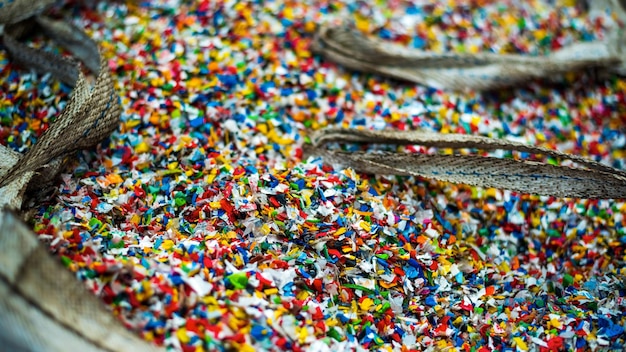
{"points": [[593, 180], [483, 71], [43, 307], [91, 114]]}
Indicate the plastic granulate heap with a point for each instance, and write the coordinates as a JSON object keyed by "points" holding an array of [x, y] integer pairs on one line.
{"points": [[200, 223]]}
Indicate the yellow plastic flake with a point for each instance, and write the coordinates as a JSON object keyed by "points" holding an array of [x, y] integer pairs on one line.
{"points": [[302, 295], [362, 23], [265, 229], [274, 137], [366, 304], [309, 26], [535, 221], [245, 348], [458, 321], [167, 245], [306, 195], [142, 147], [194, 82], [443, 345], [521, 345], [445, 269], [145, 292], [554, 321], [271, 291], [332, 322], [239, 313], [288, 13], [148, 336], [131, 123], [340, 231], [114, 179], [235, 323], [302, 333], [278, 313], [540, 34], [302, 50], [386, 284], [238, 261], [135, 219]]}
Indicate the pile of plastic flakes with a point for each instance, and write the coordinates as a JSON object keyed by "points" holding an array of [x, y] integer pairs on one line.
{"points": [[199, 223]]}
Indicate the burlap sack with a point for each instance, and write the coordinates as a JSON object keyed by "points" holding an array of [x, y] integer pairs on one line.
{"points": [[43, 307], [483, 71]]}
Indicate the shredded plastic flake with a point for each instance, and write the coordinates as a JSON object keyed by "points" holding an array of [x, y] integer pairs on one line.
{"points": [[200, 223]]}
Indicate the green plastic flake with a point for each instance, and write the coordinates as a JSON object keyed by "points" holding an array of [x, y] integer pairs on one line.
{"points": [[239, 280], [568, 280]]}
